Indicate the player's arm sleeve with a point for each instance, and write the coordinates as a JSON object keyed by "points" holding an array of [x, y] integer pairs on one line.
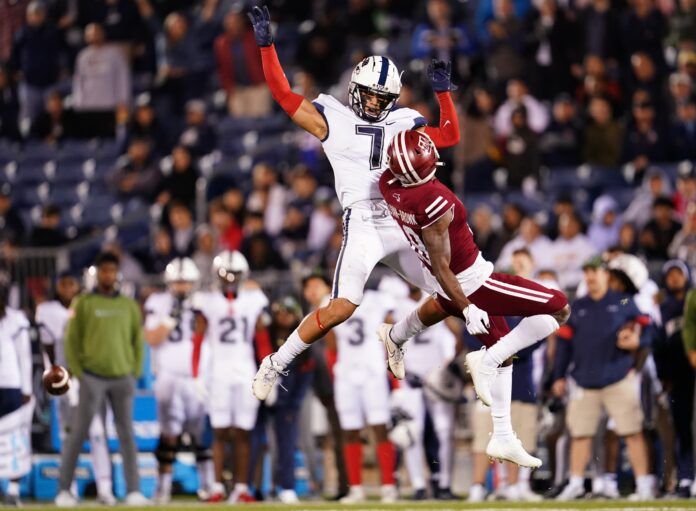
{"points": [[278, 82], [137, 339], [447, 133], [73, 338], [23, 349], [689, 329]]}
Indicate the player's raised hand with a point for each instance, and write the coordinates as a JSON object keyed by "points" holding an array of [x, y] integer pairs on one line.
{"points": [[477, 322], [440, 74], [261, 21]]}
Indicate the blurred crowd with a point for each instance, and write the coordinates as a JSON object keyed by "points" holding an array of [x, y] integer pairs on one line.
{"points": [[546, 89]]}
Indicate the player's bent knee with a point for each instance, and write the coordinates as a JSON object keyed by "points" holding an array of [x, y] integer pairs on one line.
{"points": [[338, 311]]}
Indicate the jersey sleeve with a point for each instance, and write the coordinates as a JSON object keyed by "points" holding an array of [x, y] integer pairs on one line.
{"points": [[328, 107], [434, 203]]}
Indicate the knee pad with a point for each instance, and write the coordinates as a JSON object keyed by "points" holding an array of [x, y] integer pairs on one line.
{"points": [[165, 454]]}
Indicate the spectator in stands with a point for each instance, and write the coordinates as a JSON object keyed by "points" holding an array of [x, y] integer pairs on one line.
{"points": [[513, 215], [104, 348], [120, 18], [503, 43], [686, 191], [552, 46], [682, 24], [180, 183], [322, 221], [683, 131], [522, 157], [55, 123], [198, 134], [531, 237], [598, 341], [101, 83], [603, 135], [206, 250], [644, 28], [683, 245], [135, 174], [12, 228], [239, 69], [602, 30], [655, 184], [9, 107], [674, 370], [160, 253], [570, 250], [268, 196], [48, 232], [644, 77], [596, 81], [487, 238], [644, 142], [228, 233], [38, 59], [441, 38], [560, 142], [518, 94], [318, 48], [259, 251], [129, 267], [606, 223], [182, 229], [477, 155], [144, 123], [680, 89], [659, 232]]}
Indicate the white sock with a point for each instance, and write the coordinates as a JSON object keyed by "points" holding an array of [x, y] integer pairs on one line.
{"points": [[529, 331], [609, 481], [290, 350], [576, 482], [13, 488], [217, 487], [406, 328], [644, 484], [164, 487], [241, 488], [501, 394], [104, 487], [206, 474]]}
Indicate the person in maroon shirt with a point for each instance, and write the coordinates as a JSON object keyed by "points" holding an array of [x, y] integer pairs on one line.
{"points": [[434, 221]]}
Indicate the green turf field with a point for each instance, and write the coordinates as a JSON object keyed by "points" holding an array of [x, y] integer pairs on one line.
{"points": [[406, 506]]}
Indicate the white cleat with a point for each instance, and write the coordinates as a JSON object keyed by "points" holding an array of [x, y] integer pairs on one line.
{"points": [[395, 353], [571, 492], [137, 499], [288, 497], [65, 499], [526, 494], [266, 377], [477, 493], [356, 495], [389, 494], [510, 449], [107, 499], [481, 376]]}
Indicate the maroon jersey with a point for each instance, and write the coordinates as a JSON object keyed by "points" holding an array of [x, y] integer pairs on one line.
{"points": [[417, 207]]}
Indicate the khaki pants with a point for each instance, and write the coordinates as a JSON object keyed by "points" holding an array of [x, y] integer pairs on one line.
{"points": [[251, 102], [620, 400], [524, 423]]}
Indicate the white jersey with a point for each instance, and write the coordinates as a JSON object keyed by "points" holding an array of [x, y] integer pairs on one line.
{"points": [[15, 352], [429, 350], [51, 318], [231, 328], [357, 149], [356, 339], [174, 355]]}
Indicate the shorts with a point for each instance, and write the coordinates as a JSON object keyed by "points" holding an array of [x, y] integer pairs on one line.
{"points": [[368, 241], [508, 295], [620, 401], [232, 405], [179, 408], [362, 398], [524, 418]]}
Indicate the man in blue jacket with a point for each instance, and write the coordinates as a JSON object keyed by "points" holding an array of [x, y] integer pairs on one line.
{"points": [[595, 348]]}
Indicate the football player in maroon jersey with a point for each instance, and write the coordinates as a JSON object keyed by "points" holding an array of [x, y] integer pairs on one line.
{"points": [[434, 221]]}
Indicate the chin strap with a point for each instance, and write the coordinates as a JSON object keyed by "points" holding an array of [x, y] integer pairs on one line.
{"points": [[447, 133], [277, 81]]}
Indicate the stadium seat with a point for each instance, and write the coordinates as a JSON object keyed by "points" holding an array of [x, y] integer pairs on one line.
{"points": [[64, 196], [30, 174]]}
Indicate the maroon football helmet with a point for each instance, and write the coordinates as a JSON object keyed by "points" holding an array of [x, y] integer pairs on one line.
{"points": [[412, 157]]}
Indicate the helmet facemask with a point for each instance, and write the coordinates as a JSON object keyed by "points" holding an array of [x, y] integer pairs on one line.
{"points": [[369, 103]]}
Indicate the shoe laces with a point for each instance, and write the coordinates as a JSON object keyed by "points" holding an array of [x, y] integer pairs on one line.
{"points": [[271, 374]]}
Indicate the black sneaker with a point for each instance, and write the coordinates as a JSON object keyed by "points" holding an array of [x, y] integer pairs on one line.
{"points": [[11, 501], [419, 495], [445, 494]]}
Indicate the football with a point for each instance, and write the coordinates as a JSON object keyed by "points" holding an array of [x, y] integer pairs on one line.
{"points": [[56, 380]]}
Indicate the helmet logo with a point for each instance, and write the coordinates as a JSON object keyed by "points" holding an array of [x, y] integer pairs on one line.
{"points": [[424, 144], [397, 196]]}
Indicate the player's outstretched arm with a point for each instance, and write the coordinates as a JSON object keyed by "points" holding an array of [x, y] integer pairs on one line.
{"points": [[301, 111], [437, 243], [447, 133]]}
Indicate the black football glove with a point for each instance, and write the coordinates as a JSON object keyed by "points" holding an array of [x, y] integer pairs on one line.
{"points": [[440, 74], [261, 21]]}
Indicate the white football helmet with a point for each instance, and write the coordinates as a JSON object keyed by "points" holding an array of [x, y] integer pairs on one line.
{"points": [[231, 266], [404, 434], [182, 269], [633, 268], [376, 77]]}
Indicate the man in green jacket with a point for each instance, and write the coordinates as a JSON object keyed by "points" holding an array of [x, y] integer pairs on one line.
{"points": [[104, 350]]}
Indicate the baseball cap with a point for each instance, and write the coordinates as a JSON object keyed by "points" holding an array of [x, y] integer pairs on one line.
{"points": [[289, 304], [594, 262]]}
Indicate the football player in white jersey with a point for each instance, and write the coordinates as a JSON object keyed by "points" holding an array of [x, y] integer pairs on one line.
{"points": [[15, 380], [354, 138], [169, 330], [361, 386], [51, 318], [237, 319], [430, 350]]}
